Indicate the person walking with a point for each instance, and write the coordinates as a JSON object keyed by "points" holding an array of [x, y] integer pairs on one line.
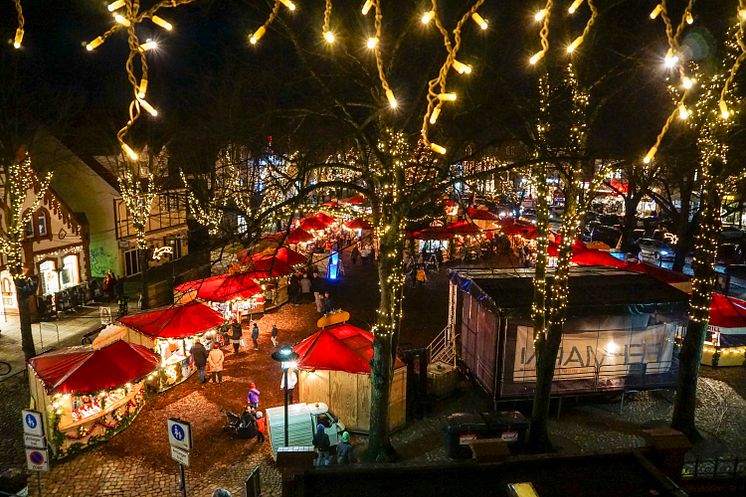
{"points": [[322, 445], [365, 253], [421, 275], [292, 382], [261, 424], [328, 304], [294, 289], [236, 333], [255, 335], [274, 335], [305, 288], [317, 287], [345, 454], [354, 254], [199, 356], [215, 359], [252, 398]]}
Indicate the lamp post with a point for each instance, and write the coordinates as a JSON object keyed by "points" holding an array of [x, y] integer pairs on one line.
{"points": [[287, 359]]}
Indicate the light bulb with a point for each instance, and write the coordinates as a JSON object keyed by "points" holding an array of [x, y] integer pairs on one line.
{"points": [[689, 18], [461, 68], [90, 46], [656, 11], [329, 36], [447, 97], [574, 6], [651, 153], [122, 20], [724, 112], [115, 5], [143, 88], [149, 108], [742, 14], [162, 23], [372, 42], [434, 115], [541, 14], [257, 35], [392, 99], [287, 3], [575, 43], [671, 59], [479, 20], [427, 17], [536, 57], [366, 7], [437, 148], [130, 153], [18, 39], [687, 83], [149, 45], [683, 112]]}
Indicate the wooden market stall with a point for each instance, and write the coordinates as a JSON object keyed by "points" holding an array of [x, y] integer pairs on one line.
{"points": [[334, 368], [90, 393], [231, 294], [171, 332]]}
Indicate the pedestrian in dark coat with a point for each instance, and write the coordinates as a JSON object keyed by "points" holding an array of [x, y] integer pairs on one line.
{"points": [[255, 335], [236, 333], [274, 335], [199, 356], [322, 444], [345, 454]]}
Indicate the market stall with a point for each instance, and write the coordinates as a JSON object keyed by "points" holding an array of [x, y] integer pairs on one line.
{"points": [[358, 225], [171, 332], [90, 393], [726, 343], [271, 274], [231, 294], [334, 368]]}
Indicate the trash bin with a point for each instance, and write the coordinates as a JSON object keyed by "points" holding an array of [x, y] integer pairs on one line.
{"points": [[461, 428]]}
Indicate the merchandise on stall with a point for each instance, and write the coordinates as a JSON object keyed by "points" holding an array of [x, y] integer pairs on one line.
{"points": [[227, 292], [726, 343], [89, 393], [171, 332]]}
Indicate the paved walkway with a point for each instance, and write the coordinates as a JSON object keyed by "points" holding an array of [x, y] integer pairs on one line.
{"points": [[67, 330]]}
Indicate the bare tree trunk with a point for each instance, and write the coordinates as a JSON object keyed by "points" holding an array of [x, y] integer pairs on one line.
{"points": [[683, 226]]}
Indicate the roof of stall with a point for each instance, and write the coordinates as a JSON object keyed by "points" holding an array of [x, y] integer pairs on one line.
{"points": [[178, 321]]}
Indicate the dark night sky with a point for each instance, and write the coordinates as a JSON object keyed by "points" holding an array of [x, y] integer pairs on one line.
{"points": [[206, 76]]}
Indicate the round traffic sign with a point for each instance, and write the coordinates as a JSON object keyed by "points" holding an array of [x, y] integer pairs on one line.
{"points": [[178, 432], [30, 421], [36, 457]]}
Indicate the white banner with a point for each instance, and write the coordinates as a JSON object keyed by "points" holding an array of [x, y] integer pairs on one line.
{"points": [[603, 353]]}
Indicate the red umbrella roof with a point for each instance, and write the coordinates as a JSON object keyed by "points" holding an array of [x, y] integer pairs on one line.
{"points": [[285, 255], [338, 348], [325, 218], [358, 224], [727, 312], [354, 200], [88, 370], [299, 235], [178, 321], [312, 223], [482, 215], [513, 228], [597, 258], [223, 287]]}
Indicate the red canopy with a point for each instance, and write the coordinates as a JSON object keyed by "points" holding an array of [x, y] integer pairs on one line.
{"points": [[358, 224], [432, 233], [331, 203], [659, 273], [338, 348], [513, 228], [577, 247], [597, 258], [354, 200], [463, 228], [285, 255], [312, 223], [325, 218], [273, 267], [727, 312], [223, 287], [178, 321], [482, 215], [299, 235], [88, 370]]}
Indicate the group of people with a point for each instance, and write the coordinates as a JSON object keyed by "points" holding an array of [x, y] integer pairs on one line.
{"points": [[324, 457]]}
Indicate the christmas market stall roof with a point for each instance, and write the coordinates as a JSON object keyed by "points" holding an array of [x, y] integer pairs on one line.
{"points": [[285, 255], [223, 287], [338, 348], [358, 224], [179, 321], [728, 315], [88, 370]]}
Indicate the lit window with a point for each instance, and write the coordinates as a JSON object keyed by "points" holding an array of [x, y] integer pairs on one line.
{"points": [[70, 274], [49, 278], [41, 223]]}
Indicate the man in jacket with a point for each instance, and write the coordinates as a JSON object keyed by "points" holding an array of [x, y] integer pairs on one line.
{"points": [[255, 335], [344, 450], [236, 333], [199, 356], [215, 359], [322, 445]]}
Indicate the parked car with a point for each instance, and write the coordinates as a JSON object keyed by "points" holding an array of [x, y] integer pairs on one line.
{"points": [[656, 249], [729, 253], [604, 234]]}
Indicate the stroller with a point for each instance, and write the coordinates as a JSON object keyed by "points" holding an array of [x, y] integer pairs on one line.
{"points": [[243, 426]]}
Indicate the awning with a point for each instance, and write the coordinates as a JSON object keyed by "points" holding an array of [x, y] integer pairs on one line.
{"points": [[482, 215], [358, 224], [597, 258], [325, 218], [178, 321], [88, 370], [354, 200], [223, 287], [284, 255], [338, 348], [299, 235], [312, 223], [728, 316], [463, 228]]}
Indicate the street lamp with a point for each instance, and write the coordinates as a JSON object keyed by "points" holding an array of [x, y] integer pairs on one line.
{"points": [[287, 359]]}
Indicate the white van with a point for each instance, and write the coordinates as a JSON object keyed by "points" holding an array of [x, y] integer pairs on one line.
{"points": [[302, 421]]}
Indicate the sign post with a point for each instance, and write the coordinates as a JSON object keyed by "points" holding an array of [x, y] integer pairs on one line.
{"points": [[180, 439], [37, 453]]}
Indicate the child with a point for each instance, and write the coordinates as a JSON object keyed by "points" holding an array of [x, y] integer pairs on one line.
{"points": [[253, 396], [260, 423]]}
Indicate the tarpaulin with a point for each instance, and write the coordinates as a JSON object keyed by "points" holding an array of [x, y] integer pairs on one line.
{"points": [[358, 224], [223, 287], [178, 321], [285, 255]]}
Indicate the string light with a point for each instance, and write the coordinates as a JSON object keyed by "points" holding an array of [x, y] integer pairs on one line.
{"points": [[574, 6], [18, 39], [461, 68], [434, 115], [481, 22], [683, 112], [122, 20], [391, 98], [329, 37], [427, 17], [149, 108], [115, 5], [447, 97], [539, 15], [687, 83], [257, 35], [372, 42], [437, 148], [162, 23], [149, 45], [129, 152], [689, 17], [366, 7], [656, 11], [290, 5]]}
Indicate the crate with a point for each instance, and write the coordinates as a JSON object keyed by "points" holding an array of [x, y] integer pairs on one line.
{"points": [[442, 379]]}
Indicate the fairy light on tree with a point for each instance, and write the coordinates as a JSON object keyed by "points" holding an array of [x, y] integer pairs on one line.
{"points": [[18, 182], [18, 38]]}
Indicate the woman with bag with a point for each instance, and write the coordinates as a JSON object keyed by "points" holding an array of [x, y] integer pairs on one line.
{"points": [[215, 359]]}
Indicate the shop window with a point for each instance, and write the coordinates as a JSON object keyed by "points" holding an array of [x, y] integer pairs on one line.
{"points": [[28, 227], [174, 242], [70, 274], [41, 222], [49, 278], [131, 263]]}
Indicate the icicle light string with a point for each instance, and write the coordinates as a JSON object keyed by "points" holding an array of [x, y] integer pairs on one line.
{"points": [[543, 33], [18, 38], [588, 25]]}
